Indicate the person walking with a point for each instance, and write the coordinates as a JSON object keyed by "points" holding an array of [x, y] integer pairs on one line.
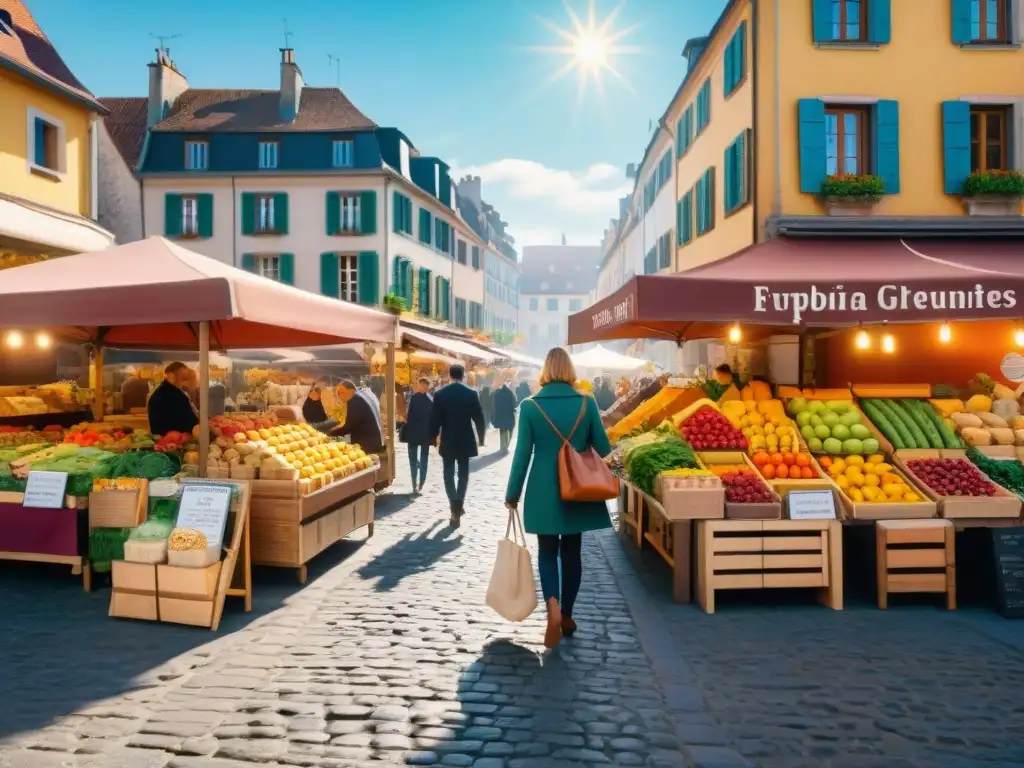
{"points": [[456, 411], [504, 403], [556, 410], [416, 433]]}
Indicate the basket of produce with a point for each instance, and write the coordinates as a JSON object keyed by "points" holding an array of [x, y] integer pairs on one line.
{"points": [[687, 479], [958, 487], [646, 459], [1006, 472], [911, 424], [148, 542], [833, 427], [187, 548], [709, 429], [691, 494], [786, 465], [872, 489], [748, 497]]}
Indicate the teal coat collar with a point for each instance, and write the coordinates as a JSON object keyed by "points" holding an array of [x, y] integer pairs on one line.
{"points": [[556, 389]]}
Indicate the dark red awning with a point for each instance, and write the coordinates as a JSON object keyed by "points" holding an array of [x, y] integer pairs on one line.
{"points": [[785, 284]]}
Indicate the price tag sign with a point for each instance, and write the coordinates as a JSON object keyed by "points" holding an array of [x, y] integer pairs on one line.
{"points": [[45, 490], [204, 508], [811, 505]]}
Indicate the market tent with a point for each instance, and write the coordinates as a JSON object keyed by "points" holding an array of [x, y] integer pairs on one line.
{"points": [[415, 357], [445, 345], [786, 283], [517, 357], [150, 294], [604, 359]]}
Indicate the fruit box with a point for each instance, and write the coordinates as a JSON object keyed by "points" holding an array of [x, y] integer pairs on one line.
{"points": [[744, 511], [865, 510], [1003, 505], [693, 503]]}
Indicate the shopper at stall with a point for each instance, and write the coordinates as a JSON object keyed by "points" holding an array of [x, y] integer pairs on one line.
{"points": [[362, 418], [504, 404], [456, 411], [416, 433], [313, 410], [134, 393], [556, 410], [169, 407], [603, 393]]}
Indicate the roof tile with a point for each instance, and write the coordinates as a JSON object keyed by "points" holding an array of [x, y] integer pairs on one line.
{"points": [[126, 125]]}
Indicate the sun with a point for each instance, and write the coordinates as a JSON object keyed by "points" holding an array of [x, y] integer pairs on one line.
{"points": [[591, 50]]}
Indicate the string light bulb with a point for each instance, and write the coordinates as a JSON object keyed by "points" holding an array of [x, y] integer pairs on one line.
{"points": [[862, 340], [15, 340], [888, 344], [1018, 337], [945, 333], [735, 335], [43, 340]]}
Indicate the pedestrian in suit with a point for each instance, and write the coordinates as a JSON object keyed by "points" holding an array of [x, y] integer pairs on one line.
{"points": [[456, 412], [416, 433], [504, 418]]}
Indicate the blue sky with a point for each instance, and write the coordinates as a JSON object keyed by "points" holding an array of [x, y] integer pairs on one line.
{"points": [[460, 77]]}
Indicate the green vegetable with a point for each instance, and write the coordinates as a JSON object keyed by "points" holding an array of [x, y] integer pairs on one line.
{"points": [[1008, 474], [107, 543], [931, 434], [153, 530], [897, 423], [647, 461], [920, 441], [714, 390], [881, 420], [148, 465], [163, 509], [949, 437]]}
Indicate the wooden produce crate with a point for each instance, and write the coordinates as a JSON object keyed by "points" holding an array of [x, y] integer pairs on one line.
{"points": [[915, 556], [119, 509], [767, 554], [909, 510], [691, 503], [1004, 505], [736, 511], [280, 500]]}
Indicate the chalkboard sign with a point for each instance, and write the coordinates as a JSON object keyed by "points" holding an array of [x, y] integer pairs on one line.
{"points": [[1008, 548]]}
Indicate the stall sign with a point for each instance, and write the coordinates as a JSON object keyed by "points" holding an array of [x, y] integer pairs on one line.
{"points": [[615, 315], [45, 490], [204, 508], [811, 505]]}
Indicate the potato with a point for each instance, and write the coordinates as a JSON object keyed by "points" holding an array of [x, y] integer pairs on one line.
{"points": [[992, 420], [965, 420], [976, 436], [1002, 436]]}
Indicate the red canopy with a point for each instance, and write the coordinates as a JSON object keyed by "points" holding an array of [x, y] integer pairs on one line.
{"points": [[785, 284], [149, 294]]}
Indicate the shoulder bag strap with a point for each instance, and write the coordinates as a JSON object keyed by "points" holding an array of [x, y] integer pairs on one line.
{"points": [[562, 437]]}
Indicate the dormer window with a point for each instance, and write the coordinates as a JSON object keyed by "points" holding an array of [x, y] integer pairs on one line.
{"points": [[6, 24], [196, 155], [342, 153], [268, 154]]}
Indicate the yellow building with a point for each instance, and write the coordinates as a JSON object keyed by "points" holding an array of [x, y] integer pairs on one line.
{"points": [[913, 104], [48, 146]]}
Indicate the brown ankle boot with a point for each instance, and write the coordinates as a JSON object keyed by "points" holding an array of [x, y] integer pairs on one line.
{"points": [[553, 633], [568, 626]]}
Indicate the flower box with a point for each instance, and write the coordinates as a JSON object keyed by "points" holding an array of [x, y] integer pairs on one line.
{"points": [[846, 194], [992, 205], [849, 206], [993, 193]]}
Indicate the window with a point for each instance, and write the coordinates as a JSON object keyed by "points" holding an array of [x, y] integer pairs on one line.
{"points": [[189, 216], [348, 277], [534, 305], [849, 20], [651, 261], [443, 236], [269, 267], [264, 214], [350, 215], [196, 155], [705, 193], [684, 219], [552, 305], [684, 128], [989, 139], [342, 153], [846, 140], [461, 249], [402, 214], [664, 251], [553, 333], [735, 69], [704, 106], [46, 140], [575, 305], [268, 154], [988, 21], [425, 226], [475, 263], [737, 191], [6, 23]]}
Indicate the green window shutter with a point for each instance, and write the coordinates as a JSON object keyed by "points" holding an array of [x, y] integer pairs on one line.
{"points": [[204, 203], [172, 215], [330, 275], [679, 222], [249, 262], [423, 277], [408, 216], [960, 19], [821, 24], [396, 212], [879, 21], [287, 268], [368, 278], [248, 213], [956, 145], [281, 213], [728, 71], [407, 282], [729, 166], [688, 217], [368, 212], [738, 55], [333, 213], [811, 119], [679, 137], [885, 133], [743, 169], [425, 224]]}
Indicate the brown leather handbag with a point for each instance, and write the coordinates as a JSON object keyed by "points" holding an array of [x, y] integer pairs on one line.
{"points": [[582, 476]]}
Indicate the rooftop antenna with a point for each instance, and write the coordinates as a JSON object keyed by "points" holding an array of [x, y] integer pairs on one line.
{"points": [[287, 35], [335, 61], [162, 40]]}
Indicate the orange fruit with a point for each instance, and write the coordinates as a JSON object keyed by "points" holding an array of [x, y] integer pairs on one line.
{"points": [[789, 459], [803, 460], [807, 473], [768, 471], [825, 462], [776, 458], [782, 471], [761, 458]]}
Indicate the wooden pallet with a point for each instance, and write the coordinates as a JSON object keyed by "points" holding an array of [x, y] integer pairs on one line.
{"points": [[915, 556], [769, 554]]}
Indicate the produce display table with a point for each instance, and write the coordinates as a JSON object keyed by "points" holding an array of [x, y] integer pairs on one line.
{"points": [[45, 536], [643, 518], [915, 556]]}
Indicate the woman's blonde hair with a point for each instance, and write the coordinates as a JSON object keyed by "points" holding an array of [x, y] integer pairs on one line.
{"points": [[558, 367]]}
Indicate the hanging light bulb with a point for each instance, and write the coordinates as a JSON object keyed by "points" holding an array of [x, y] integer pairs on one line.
{"points": [[43, 340], [15, 340], [945, 333], [888, 344], [1018, 338], [862, 340], [735, 335]]}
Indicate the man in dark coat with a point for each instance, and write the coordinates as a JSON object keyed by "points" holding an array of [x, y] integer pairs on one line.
{"points": [[456, 411], [416, 433], [522, 391], [504, 418], [361, 423], [169, 408]]}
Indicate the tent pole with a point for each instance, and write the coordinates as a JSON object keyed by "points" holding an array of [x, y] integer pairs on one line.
{"points": [[204, 396], [392, 406], [98, 398]]}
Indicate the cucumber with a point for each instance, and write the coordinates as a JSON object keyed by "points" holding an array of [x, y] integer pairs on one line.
{"points": [[880, 420], [897, 423], [915, 431], [913, 407], [949, 437]]}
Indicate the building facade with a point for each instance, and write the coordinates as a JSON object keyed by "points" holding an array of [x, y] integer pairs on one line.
{"points": [[49, 125], [557, 281]]}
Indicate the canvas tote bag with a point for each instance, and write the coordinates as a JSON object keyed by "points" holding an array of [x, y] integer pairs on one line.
{"points": [[582, 476], [511, 593]]}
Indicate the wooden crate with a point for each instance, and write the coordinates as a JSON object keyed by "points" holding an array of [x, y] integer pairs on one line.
{"points": [[1003, 505], [281, 501], [119, 509], [915, 556], [767, 554]]}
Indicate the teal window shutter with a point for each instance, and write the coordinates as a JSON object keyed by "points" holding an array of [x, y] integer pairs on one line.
{"points": [[730, 180], [368, 278], [368, 212], [204, 203], [249, 262], [281, 213], [821, 23], [333, 214], [679, 222], [396, 211], [960, 19], [879, 21], [248, 213], [330, 275], [728, 68], [396, 276], [739, 55], [811, 120], [407, 215], [425, 280], [407, 282], [679, 136], [172, 215], [956, 144], [425, 225], [287, 268], [885, 132], [687, 217]]}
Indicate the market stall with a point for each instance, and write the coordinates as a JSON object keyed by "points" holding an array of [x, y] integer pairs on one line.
{"points": [[602, 360], [153, 294]]}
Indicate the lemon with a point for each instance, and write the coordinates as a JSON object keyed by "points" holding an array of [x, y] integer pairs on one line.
{"points": [[856, 495], [855, 461], [842, 482], [911, 496], [872, 481], [876, 458]]}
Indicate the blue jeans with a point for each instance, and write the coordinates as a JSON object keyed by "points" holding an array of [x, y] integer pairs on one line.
{"points": [[567, 549], [456, 492], [418, 462]]}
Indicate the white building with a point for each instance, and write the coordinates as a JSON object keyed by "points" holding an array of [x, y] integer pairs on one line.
{"points": [[558, 281]]}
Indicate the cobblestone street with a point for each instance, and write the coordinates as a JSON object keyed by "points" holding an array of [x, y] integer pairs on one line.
{"points": [[389, 656]]}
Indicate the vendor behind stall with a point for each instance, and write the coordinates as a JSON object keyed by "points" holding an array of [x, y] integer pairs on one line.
{"points": [[362, 418], [313, 409], [169, 407]]}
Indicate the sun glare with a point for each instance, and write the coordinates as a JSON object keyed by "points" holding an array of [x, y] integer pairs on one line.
{"points": [[591, 50]]}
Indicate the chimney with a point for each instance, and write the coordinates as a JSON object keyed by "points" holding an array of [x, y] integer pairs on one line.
{"points": [[166, 84], [631, 171], [470, 188], [692, 50], [291, 86]]}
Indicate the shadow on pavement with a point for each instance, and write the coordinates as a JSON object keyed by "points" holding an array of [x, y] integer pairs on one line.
{"points": [[410, 555], [482, 462]]}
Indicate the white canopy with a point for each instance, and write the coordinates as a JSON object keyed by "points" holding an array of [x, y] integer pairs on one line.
{"points": [[605, 360]]}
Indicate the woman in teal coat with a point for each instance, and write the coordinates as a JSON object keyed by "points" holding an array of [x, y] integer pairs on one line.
{"points": [[559, 525]]}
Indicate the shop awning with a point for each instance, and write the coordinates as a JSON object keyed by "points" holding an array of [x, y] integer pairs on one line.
{"points": [[606, 360], [151, 294], [784, 284], [517, 357], [444, 345]]}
